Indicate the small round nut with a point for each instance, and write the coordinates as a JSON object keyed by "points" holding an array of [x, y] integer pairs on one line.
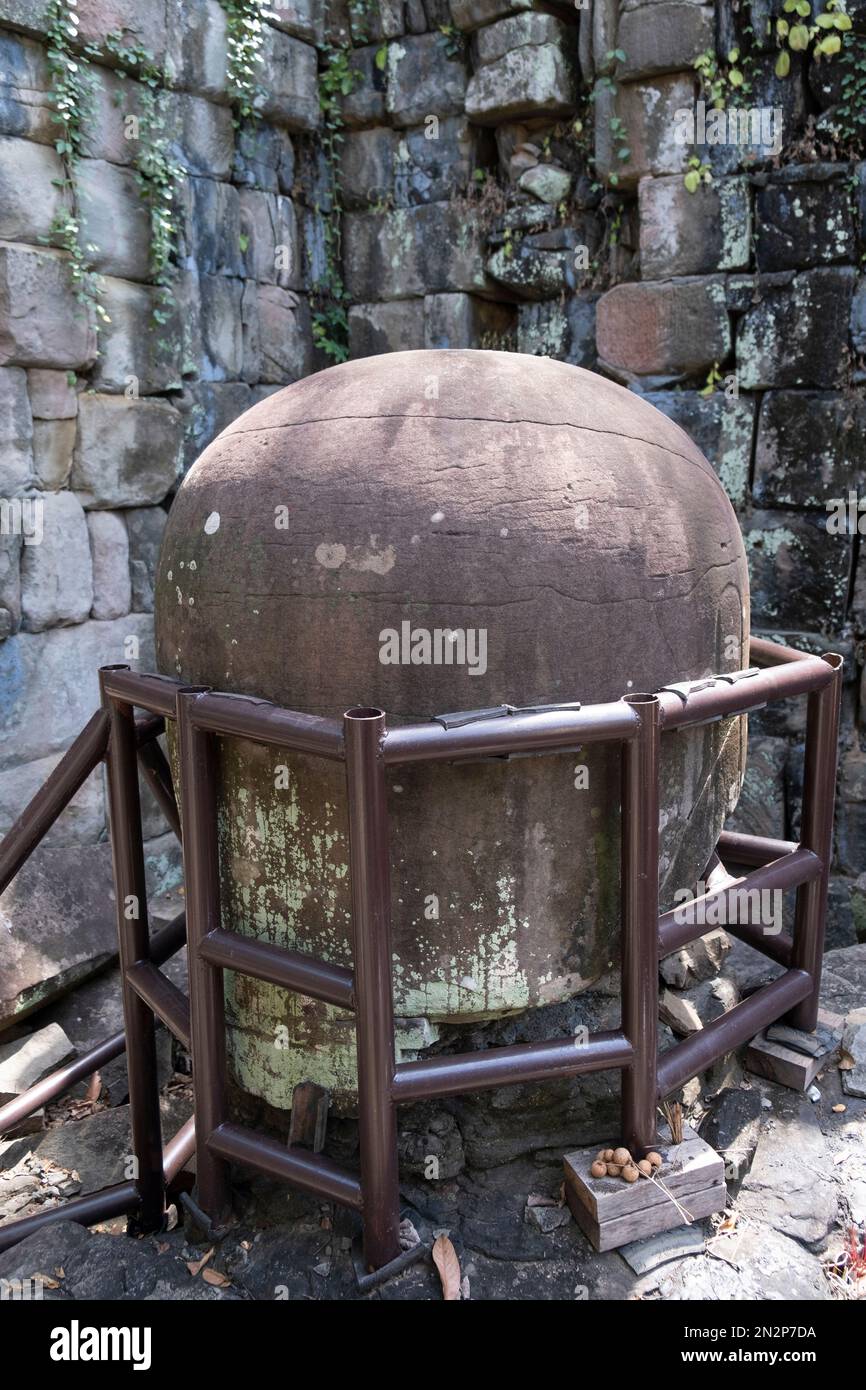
{"points": [[621, 1156], [630, 1173], [598, 1169], [607, 1155], [613, 1170], [655, 1159], [645, 1167]]}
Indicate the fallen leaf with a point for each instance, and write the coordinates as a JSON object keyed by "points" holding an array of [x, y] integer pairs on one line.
{"points": [[839, 1109], [213, 1276], [94, 1087], [196, 1266], [846, 1062], [448, 1265], [47, 1281], [60, 1272]]}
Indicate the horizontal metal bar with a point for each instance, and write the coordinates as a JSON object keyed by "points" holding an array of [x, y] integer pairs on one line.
{"points": [[304, 1170], [162, 997], [686, 1059], [507, 1066], [688, 921], [53, 796], [737, 848], [518, 733], [153, 693], [318, 979], [723, 701], [763, 652], [242, 716]]}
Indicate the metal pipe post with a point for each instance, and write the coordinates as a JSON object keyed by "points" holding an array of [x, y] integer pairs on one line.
{"points": [[207, 1005], [133, 945], [640, 914], [374, 1007], [816, 834]]}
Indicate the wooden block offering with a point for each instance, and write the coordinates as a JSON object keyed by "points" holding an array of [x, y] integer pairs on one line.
{"points": [[689, 1185]]}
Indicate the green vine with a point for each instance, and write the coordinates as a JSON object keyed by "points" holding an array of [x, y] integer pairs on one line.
{"points": [[72, 90], [796, 35], [329, 302], [245, 38], [157, 173], [850, 114]]}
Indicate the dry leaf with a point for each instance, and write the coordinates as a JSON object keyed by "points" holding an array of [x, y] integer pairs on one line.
{"points": [[213, 1276], [846, 1062], [196, 1266], [448, 1265], [47, 1281], [60, 1272], [839, 1109], [93, 1089]]}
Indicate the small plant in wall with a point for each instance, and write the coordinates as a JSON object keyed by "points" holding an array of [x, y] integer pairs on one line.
{"points": [[698, 173], [329, 303], [246, 31], [797, 33]]}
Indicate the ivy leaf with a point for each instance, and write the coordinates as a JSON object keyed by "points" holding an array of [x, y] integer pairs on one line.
{"points": [[824, 21], [798, 38], [783, 63], [830, 45], [735, 77], [804, 9], [782, 28], [382, 57], [841, 21], [692, 180]]}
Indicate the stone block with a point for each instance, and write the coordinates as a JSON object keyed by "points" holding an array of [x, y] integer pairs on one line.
{"points": [[564, 331], [205, 135], [30, 199], [367, 166], [16, 433], [303, 18], [394, 327], [601, 22], [761, 807], [858, 316], [115, 220], [673, 326], [41, 322], [799, 572], [52, 394], [803, 222], [26, 1060], [109, 552], [83, 821], [25, 108], [127, 452], [264, 158], [700, 960], [10, 581], [722, 428], [292, 92], [471, 14], [285, 335], [534, 81], [211, 221], [56, 575], [139, 25], [797, 335], [221, 328], [144, 528], [494, 41], [113, 131], [365, 103], [422, 79], [465, 321], [436, 162], [207, 408], [683, 233], [648, 112], [669, 41], [134, 352], [531, 272], [269, 229], [811, 448], [196, 47], [49, 685], [53, 446], [411, 252]]}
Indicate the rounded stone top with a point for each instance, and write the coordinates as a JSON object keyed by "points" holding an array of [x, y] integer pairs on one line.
{"points": [[543, 506]]}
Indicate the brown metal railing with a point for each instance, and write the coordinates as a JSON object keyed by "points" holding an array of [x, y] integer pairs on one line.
{"points": [[365, 745]]}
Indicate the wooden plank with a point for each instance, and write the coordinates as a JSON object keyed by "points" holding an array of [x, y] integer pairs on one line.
{"points": [[645, 1221], [788, 1067], [309, 1116], [691, 1166]]}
